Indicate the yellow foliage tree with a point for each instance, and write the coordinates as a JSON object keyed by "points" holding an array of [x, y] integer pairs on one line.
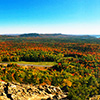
{"points": [[67, 82]]}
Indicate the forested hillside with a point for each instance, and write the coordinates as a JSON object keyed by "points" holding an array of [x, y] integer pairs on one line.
{"points": [[77, 68]]}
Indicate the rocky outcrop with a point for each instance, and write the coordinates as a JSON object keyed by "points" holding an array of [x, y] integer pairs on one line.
{"points": [[17, 91], [96, 97]]}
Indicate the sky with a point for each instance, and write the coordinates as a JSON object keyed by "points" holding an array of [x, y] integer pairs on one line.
{"points": [[50, 16]]}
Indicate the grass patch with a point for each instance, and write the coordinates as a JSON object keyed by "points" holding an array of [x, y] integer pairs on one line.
{"points": [[34, 63]]}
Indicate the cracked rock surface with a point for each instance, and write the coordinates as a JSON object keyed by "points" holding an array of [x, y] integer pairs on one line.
{"points": [[17, 91]]}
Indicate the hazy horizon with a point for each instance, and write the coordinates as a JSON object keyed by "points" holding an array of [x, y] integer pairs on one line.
{"points": [[49, 33]]}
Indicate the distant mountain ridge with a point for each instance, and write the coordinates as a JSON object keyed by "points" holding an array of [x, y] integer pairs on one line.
{"points": [[29, 35], [52, 35], [40, 35], [57, 35]]}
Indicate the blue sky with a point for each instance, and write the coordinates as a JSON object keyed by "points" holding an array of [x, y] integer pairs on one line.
{"points": [[50, 16]]}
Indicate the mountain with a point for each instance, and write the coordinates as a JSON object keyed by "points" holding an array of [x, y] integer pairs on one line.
{"points": [[40, 35], [30, 35], [52, 35], [56, 35]]}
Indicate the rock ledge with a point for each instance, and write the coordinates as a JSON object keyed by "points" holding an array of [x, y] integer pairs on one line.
{"points": [[17, 91]]}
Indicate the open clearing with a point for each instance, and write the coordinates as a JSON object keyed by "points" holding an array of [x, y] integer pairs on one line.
{"points": [[35, 64]]}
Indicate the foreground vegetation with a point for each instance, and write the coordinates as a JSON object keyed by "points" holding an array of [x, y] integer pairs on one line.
{"points": [[76, 71]]}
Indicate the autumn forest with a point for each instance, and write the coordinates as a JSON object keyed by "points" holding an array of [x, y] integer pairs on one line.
{"points": [[77, 68]]}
